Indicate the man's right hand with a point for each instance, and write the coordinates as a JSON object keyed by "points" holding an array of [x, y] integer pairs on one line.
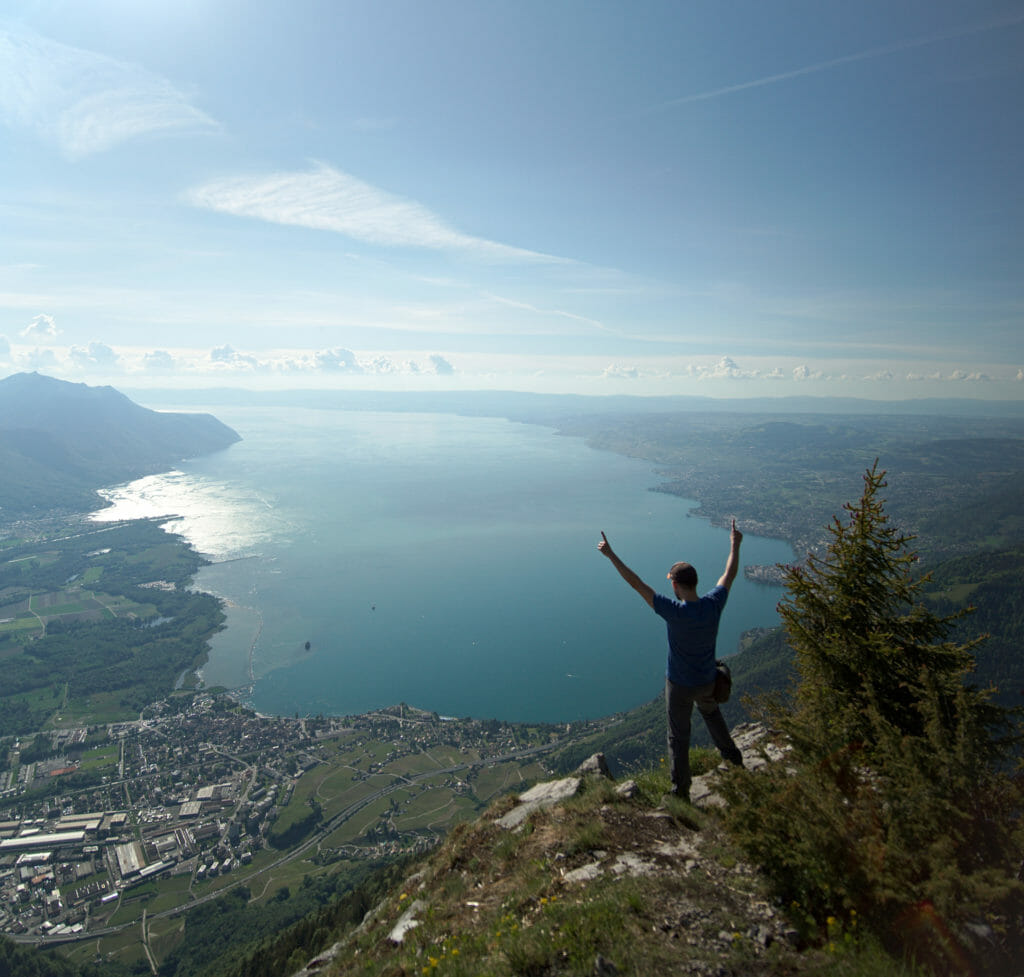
{"points": [[628, 575], [732, 565]]}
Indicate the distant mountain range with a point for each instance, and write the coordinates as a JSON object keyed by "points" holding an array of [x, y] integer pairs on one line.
{"points": [[60, 442]]}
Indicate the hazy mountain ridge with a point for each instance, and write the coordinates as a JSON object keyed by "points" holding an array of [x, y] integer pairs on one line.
{"points": [[545, 407], [60, 442]]}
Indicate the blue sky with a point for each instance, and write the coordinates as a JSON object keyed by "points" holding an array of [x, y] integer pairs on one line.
{"points": [[714, 198]]}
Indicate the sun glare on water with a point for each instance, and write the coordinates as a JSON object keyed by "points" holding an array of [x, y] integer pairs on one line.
{"points": [[220, 520]]}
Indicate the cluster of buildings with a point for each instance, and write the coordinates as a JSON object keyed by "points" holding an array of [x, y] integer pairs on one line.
{"points": [[61, 875], [192, 789], [190, 794]]}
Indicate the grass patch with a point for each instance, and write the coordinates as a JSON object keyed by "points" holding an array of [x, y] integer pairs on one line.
{"points": [[445, 810], [164, 936], [170, 893], [100, 707], [71, 607], [101, 756], [491, 782]]}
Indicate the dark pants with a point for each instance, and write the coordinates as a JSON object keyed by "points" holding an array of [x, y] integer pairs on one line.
{"points": [[679, 702]]}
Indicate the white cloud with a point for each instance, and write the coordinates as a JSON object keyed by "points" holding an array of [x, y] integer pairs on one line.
{"points": [[804, 372], [83, 101], [440, 365], [615, 371], [973, 375], [958, 375], [382, 366], [98, 356], [338, 360], [227, 356], [726, 368], [329, 200], [5, 348], [42, 329], [159, 361]]}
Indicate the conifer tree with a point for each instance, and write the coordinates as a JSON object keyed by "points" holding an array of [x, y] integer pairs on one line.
{"points": [[867, 649], [895, 797]]}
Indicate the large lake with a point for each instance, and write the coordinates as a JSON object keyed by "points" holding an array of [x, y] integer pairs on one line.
{"points": [[443, 561]]}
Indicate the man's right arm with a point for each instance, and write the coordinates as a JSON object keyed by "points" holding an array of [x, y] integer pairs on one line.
{"points": [[644, 590], [732, 565]]}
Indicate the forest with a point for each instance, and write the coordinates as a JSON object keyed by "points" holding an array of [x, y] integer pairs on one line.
{"points": [[150, 632]]}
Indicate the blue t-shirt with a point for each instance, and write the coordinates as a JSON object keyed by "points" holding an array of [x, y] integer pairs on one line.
{"points": [[692, 630]]}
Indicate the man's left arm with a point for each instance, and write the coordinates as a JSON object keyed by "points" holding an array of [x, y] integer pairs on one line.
{"points": [[732, 565]]}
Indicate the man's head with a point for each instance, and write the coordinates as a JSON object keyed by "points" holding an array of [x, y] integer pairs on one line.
{"points": [[684, 575]]}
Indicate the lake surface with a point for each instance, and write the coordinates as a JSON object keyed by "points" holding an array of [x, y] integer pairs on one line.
{"points": [[447, 562]]}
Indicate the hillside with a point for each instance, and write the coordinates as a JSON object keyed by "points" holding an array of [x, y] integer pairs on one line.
{"points": [[952, 481], [600, 877], [60, 442]]}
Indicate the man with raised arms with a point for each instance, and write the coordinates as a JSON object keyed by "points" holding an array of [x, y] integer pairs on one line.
{"points": [[692, 625]]}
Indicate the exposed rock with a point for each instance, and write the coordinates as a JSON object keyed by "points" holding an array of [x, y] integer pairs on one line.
{"points": [[629, 864], [537, 797], [322, 960], [627, 789], [753, 741], [585, 873], [594, 765], [407, 921]]}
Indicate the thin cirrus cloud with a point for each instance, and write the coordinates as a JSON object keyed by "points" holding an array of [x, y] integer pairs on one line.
{"points": [[1008, 20], [83, 101], [328, 199]]}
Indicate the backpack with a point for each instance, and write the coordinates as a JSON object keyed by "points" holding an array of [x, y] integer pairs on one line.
{"points": [[723, 682]]}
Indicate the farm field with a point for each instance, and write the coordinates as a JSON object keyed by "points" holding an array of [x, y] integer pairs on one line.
{"points": [[85, 628]]}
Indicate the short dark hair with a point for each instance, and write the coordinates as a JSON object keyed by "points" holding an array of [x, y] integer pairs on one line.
{"points": [[683, 574]]}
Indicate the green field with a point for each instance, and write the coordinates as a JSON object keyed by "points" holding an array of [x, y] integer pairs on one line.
{"points": [[173, 891], [22, 624], [102, 756]]}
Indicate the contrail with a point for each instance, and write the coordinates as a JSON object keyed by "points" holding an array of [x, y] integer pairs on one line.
{"points": [[877, 52]]}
